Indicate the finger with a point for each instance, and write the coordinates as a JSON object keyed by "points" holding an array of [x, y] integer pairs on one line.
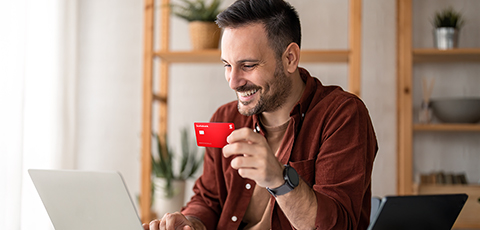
{"points": [[248, 173], [145, 226], [249, 167], [173, 221], [186, 227], [243, 134], [246, 161], [170, 222], [154, 225], [163, 222], [239, 148]]}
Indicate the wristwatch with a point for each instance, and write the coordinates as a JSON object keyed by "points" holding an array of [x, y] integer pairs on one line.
{"points": [[291, 181]]}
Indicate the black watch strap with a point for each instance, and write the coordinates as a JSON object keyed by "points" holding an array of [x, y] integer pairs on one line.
{"points": [[291, 181]]}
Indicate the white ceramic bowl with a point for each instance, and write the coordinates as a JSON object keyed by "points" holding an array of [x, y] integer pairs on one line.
{"points": [[457, 110]]}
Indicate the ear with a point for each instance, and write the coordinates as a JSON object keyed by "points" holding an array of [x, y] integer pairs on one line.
{"points": [[291, 57]]}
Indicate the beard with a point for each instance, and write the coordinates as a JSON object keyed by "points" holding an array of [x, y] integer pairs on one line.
{"points": [[276, 94]]}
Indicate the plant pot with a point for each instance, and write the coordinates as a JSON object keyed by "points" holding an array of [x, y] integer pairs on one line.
{"points": [[163, 204], [446, 38], [204, 35]]}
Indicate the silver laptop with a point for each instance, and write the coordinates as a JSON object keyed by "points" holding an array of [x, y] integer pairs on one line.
{"points": [[424, 212], [80, 200]]}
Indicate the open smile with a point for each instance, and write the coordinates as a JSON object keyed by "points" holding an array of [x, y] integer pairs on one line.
{"points": [[245, 97], [248, 93]]}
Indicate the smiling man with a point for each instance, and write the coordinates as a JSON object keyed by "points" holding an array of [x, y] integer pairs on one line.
{"points": [[254, 71], [303, 153]]}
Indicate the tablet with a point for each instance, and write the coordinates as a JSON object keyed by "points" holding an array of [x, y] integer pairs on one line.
{"points": [[424, 212]]}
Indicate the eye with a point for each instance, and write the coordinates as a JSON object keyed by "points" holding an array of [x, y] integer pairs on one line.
{"points": [[249, 66], [226, 65]]}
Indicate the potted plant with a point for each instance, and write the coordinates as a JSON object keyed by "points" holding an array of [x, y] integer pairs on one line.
{"points": [[204, 33], [447, 23], [168, 182]]}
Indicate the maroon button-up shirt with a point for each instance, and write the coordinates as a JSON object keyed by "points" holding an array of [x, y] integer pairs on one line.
{"points": [[331, 143]]}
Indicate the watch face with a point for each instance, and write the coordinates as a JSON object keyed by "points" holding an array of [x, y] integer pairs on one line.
{"points": [[292, 176]]}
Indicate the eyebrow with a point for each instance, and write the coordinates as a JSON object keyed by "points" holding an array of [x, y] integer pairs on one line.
{"points": [[243, 60]]}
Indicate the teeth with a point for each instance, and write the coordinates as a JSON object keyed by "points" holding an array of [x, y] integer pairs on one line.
{"points": [[248, 93]]}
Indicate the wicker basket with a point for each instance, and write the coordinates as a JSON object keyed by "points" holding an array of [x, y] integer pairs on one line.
{"points": [[204, 35]]}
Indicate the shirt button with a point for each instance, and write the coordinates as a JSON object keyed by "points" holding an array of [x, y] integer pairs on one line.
{"points": [[248, 186], [234, 218]]}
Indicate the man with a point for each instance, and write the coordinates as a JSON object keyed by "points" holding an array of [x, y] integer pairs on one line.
{"points": [[302, 155]]}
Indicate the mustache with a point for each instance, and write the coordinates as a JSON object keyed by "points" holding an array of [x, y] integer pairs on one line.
{"points": [[245, 88]]}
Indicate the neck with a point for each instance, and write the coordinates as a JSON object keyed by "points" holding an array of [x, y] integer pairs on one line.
{"points": [[282, 114]]}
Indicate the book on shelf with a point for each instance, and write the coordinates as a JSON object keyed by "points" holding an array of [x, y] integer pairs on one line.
{"points": [[441, 178]]}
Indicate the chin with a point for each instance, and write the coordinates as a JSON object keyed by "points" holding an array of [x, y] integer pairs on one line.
{"points": [[249, 109], [244, 109]]}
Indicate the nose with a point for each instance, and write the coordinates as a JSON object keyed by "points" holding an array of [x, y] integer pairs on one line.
{"points": [[235, 78]]}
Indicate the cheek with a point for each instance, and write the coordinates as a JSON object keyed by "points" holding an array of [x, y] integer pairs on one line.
{"points": [[227, 78]]}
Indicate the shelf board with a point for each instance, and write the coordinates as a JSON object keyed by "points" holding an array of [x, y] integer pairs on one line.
{"points": [[213, 56], [447, 127], [451, 55], [201, 56], [446, 187]]}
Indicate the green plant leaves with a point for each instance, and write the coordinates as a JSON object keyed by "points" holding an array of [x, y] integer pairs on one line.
{"points": [[197, 10], [162, 164], [190, 159], [448, 17]]}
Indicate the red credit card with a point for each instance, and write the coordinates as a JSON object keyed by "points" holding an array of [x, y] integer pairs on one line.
{"points": [[213, 134]]}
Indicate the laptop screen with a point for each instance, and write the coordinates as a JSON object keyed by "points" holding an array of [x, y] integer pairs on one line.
{"points": [[80, 200]]}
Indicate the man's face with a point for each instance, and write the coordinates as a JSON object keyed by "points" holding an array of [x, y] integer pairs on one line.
{"points": [[253, 71]]}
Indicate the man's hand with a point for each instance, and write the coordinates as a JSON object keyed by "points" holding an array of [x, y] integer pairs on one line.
{"points": [[172, 221], [254, 158]]}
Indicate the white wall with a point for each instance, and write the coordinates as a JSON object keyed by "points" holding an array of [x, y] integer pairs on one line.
{"points": [[379, 88], [110, 78]]}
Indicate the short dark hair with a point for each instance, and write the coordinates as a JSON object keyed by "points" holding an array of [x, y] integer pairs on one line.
{"points": [[280, 20]]}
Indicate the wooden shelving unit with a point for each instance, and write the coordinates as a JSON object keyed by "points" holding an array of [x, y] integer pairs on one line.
{"points": [[350, 56], [407, 58], [446, 127], [453, 55]]}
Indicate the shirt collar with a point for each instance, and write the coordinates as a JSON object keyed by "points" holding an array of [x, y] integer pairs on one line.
{"points": [[310, 87]]}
